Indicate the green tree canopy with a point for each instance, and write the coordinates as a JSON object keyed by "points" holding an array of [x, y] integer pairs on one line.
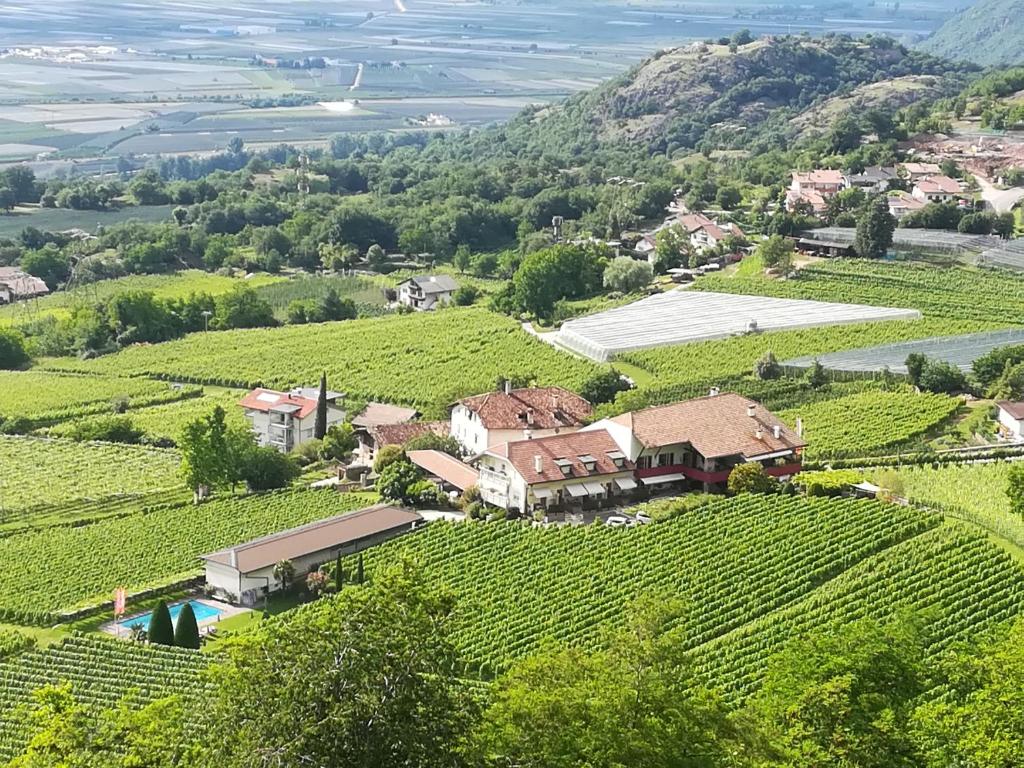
{"points": [[161, 629]]}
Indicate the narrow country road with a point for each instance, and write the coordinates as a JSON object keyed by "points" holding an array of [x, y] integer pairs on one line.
{"points": [[358, 79], [1001, 200]]}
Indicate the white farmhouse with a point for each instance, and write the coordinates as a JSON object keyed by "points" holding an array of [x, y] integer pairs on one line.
{"points": [[245, 572], [426, 293], [1011, 420], [286, 420], [507, 415]]}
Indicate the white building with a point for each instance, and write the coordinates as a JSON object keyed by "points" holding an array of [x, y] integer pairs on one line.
{"points": [[705, 234], [245, 572], [937, 189], [506, 415], [426, 293], [557, 473], [286, 420], [1011, 420]]}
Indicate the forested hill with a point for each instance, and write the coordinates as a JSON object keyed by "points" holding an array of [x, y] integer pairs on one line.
{"points": [[740, 95], [989, 33]]}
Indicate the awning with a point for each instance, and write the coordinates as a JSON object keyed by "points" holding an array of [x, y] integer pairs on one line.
{"points": [[625, 483], [576, 490], [661, 479], [594, 488], [543, 493]]}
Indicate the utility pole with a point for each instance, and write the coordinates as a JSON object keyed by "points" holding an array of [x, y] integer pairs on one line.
{"points": [[206, 320]]}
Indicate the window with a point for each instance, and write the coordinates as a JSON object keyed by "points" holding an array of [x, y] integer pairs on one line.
{"points": [[644, 462], [666, 459]]}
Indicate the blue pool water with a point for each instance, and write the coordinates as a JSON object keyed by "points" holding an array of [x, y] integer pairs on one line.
{"points": [[202, 611]]}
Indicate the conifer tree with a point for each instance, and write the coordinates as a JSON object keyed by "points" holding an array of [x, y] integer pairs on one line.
{"points": [[186, 630], [161, 630], [320, 427]]}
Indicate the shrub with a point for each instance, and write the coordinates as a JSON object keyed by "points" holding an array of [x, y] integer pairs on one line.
{"points": [[751, 478], [13, 354]]}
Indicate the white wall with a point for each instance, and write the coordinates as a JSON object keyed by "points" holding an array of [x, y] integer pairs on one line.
{"points": [[1013, 426], [468, 429]]}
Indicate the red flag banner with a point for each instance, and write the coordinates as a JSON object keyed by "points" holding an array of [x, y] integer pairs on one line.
{"points": [[119, 600]]}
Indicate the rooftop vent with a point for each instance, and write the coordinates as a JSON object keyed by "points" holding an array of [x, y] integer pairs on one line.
{"points": [[751, 410]]}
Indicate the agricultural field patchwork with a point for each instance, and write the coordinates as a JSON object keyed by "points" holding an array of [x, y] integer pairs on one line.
{"points": [[423, 361], [869, 422], [139, 551]]}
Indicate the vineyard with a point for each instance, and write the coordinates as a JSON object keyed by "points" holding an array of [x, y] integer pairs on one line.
{"points": [[975, 492], [423, 360], [100, 671], [734, 357], [143, 550], [958, 580], [866, 423], [952, 293], [40, 473], [41, 398], [733, 561], [165, 422], [12, 641]]}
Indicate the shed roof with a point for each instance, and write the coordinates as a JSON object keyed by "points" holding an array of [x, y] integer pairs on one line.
{"points": [[320, 536], [1014, 408], [377, 414], [447, 468]]}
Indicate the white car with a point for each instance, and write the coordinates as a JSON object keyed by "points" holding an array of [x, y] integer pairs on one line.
{"points": [[642, 519], [617, 521]]}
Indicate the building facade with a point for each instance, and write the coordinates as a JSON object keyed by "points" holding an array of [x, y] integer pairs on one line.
{"points": [[426, 293], [286, 420]]}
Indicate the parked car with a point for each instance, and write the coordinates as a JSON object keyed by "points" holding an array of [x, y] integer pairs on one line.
{"points": [[642, 518], [618, 521]]}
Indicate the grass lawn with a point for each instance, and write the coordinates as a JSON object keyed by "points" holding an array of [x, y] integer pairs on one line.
{"points": [[639, 376], [246, 622], [44, 636]]}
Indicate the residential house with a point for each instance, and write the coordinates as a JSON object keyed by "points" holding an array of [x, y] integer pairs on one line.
{"points": [[647, 246], [697, 443], [937, 189], [705, 234], [286, 420], [567, 472], [1011, 420], [915, 171], [377, 415], [16, 284], [245, 572], [508, 414], [375, 438], [814, 189], [902, 203], [427, 292], [874, 179], [447, 472]]}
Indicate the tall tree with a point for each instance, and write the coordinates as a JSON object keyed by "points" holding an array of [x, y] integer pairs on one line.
{"points": [[186, 630], [875, 229], [161, 629], [320, 425], [205, 453]]}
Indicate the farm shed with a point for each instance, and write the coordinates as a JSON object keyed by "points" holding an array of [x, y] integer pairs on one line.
{"points": [[245, 572]]}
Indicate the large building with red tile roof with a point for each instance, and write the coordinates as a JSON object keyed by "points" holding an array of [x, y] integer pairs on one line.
{"points": [[508, 414], [937, 189], [704, 233], [700, 441], [286, 420], [815, 189]]}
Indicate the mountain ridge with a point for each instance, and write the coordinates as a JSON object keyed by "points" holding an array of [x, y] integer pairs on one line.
{"points": [[988, 33]]}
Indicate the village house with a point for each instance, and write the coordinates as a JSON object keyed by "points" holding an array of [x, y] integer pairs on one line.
{"points": [[874, 179], [937, 189], [372, 439], [286, 420], [427, 292], [814, 189], [1011, 420], [508, 414], [16, 284], [696, 443], [244, 573], [705, 234], [902, 203], [445, 471], [915, 171], [377, 415], [568, 472]]}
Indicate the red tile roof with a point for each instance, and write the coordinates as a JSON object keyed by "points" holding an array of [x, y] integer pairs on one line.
{"points": [[448, 468], [692, 222], [715, 426], [822, 177], [377, 414], [931, 185], [537, 407], [267, 400], [400, 434], [598, 444]]}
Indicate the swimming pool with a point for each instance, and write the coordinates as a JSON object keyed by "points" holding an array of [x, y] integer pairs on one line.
{"points": [[202, 611]]}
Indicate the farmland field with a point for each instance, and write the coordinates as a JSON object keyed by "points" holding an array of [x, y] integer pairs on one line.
{"points": [[59, 219], [869, 422], [40, 397], [40, 474], [732, 561], [171, 286], [145, 550], [424, 361]]}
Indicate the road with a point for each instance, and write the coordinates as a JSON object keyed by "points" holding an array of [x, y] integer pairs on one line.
{"points": [[1001, 200]]}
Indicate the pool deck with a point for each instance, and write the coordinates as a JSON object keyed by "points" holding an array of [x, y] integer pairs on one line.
{"points": [[118, 629]]}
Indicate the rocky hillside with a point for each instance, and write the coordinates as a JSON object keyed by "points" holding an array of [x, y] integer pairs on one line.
{"points": [[990, 33], [737, 97]]}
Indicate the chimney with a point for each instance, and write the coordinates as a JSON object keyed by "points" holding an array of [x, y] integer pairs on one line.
{"points": [[508, 386], [538, 464], [234, 559], [800, 426], [777, 431], [751, 410], [759, 433], [714, 392], [529, 416]]}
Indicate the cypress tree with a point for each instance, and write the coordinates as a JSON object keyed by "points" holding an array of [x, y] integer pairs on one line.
{"points": [[320, 427], [339, 575], [161, 630], [359, 569], [186, 631]]}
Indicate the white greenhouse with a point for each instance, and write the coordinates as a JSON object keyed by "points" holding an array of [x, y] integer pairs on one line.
{"points": [[683, 316]]}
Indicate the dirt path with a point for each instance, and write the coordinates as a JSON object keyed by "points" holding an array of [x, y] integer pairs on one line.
{"points": [[1002, 200]]}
